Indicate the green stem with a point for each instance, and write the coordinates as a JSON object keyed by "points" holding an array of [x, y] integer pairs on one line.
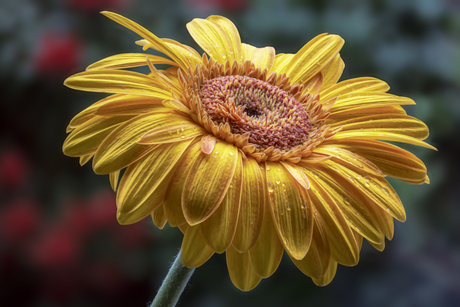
{"points": [[173, 285]]}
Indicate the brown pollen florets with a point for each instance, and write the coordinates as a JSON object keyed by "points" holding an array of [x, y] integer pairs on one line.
{"points": [[266, 112]]}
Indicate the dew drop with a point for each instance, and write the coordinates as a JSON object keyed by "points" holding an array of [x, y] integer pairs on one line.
{"points": [[231, 153], [366, 183], [289, 208], [278, 181], [231, 186], [268, 167], [351, 179], [388, 210], [170, 132], [214, 156], [346, 201], [216, 152], [358, 177], [193, 128], [302, 206], [270, 187]]}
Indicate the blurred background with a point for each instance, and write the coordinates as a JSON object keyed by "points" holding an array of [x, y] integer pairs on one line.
{"points": [[60, 243]]}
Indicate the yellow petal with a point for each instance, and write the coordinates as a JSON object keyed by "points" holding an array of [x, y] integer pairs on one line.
{"points": [[218, 37], [317, 259], [332, 72], [185, 130], [240, 269], [267, 252], [292, 214], [154, 40], [128, 60], [219, 229], [349, 158], [172, 103], [383, 136], [86, 138], [361, 216], [328, 275], [364, 84], [346, 114], [341, 240], [172, 202], [281, 61], [400, 124], [380, 247], [113, 177], [132, 105], [195, 251], [313, 57], [391, 160], [389, 224], [375, 188], [158, 217], [368, 99], [185, 51], [297, 173], [251, 208], [90, 112], [261, 57], [231, 32], [119, 149], [117, 82], [139, 188], [85, 159], [207, 182]]}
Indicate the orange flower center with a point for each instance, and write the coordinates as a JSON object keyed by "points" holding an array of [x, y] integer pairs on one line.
{"points": [[270, 116]]}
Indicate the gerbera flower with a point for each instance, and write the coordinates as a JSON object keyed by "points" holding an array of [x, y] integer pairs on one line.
{"points": [[249, 152]]}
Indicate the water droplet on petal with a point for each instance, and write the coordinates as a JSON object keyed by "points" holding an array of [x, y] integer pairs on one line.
{"points": [[386, 192], [270, 187], [289, 208], [278, 181], [346, 201]]}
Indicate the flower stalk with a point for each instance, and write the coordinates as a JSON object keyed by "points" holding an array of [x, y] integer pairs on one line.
{"points": [[173, 285]]}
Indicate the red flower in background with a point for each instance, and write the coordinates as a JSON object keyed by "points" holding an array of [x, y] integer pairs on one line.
{"points": [[19, 220], [14, 169], [58, 53]]}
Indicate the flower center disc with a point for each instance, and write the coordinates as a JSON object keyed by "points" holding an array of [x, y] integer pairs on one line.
{"points": [[269, 114]]}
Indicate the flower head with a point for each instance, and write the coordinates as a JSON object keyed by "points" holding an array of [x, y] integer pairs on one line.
{"points": [[249, 152]]}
